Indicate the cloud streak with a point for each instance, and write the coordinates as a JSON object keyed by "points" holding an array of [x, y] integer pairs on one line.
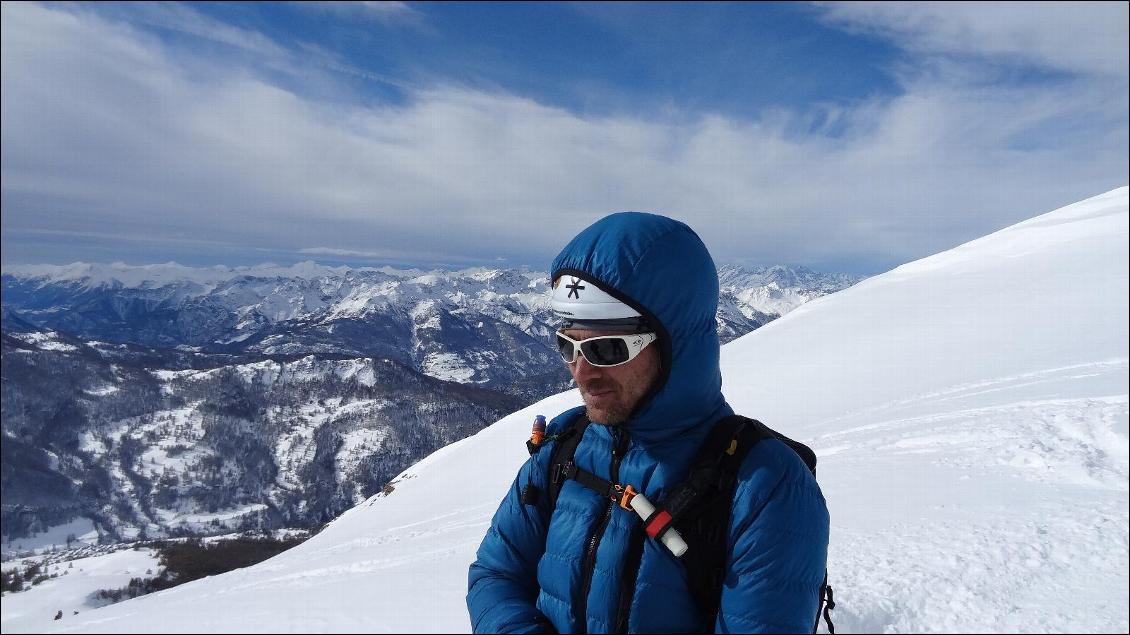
{"points": [[388, 12], [1085, 37], [179, 17], [108, 130]]}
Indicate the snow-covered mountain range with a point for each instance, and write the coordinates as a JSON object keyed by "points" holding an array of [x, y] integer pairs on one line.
{"points": [[970, 413], [157, 400], [434, 321]]}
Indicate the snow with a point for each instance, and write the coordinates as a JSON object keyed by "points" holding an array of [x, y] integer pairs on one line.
{"points": [[58, 346], [229, 514], [976, 403], [47, 340], [427, 279], [296, 448], [54, 537], [93, 275], [359, 370], [448, 367], [354, 444], [969, 411], [267, 293], [180, 430], [34, 610], [770, 300], [170, 375], [235, 339]]}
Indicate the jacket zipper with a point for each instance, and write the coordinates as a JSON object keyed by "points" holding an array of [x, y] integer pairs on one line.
{"points": [[618, 441]]}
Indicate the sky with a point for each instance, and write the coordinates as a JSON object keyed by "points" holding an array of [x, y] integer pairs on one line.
{"points": [[846, 137]]}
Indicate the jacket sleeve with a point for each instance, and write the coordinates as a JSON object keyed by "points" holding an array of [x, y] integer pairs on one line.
{"points": [[502, 585], [778, 546]]}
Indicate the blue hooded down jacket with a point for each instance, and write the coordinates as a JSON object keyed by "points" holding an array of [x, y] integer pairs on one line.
{"points": [[540, 569]]}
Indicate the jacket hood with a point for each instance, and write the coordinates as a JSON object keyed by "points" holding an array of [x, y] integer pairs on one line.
{"points": [[661, 268]]}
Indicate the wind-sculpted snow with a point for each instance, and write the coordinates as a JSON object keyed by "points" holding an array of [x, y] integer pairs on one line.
{"points": [[969, 411]]}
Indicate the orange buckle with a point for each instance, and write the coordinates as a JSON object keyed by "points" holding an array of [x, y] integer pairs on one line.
{"points": [[626, 499]]}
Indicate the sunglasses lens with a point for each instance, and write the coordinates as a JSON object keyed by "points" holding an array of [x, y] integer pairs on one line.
{"points": [[565, 347], [605, 352]]}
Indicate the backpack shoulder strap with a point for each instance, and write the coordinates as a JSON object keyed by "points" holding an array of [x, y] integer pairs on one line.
{"points": [[708, 495], [705, 500], [564, 447], [803, 451]]}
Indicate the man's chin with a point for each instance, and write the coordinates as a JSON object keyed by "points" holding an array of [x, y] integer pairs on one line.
{"points": [[608, 417]]}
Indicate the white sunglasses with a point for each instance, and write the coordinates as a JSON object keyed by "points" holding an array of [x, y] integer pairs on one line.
{"points": [[604, 350]]}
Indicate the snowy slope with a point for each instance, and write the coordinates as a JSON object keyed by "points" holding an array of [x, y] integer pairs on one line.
{"points": [[970, 412], [969, 409], [78, 580]]}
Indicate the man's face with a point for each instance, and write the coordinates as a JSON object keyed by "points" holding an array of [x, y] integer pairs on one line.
{"points": [[612, 393]]}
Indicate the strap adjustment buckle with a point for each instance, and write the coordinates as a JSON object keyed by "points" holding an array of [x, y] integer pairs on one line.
{"points": [[626, 494], [564, 471]]}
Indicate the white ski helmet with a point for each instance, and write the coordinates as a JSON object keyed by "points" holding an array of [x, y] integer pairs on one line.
{"points": [[584, 305]]}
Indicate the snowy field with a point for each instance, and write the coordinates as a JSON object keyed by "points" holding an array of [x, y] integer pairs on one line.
{"points": [[34, 610], [969, 411]]}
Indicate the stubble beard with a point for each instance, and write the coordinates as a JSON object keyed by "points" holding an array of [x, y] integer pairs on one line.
{"points": [[608, 416], [611, 414]]}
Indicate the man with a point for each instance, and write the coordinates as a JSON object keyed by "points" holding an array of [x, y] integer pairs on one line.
{"points": [[646, 286]]}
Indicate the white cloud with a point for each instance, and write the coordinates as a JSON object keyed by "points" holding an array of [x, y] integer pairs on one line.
{"points": [[387, 255], [388, 12], [1087, 37], [107, 130], [180, 17]]}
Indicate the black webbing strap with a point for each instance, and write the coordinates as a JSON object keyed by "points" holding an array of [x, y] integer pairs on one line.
{"points": [[714, 470], [602, 486], [828, 603], [703, 503], [564, 446], [563, 450]]}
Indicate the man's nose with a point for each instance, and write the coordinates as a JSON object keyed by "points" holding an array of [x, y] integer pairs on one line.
{"points": [[583, 371]]}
